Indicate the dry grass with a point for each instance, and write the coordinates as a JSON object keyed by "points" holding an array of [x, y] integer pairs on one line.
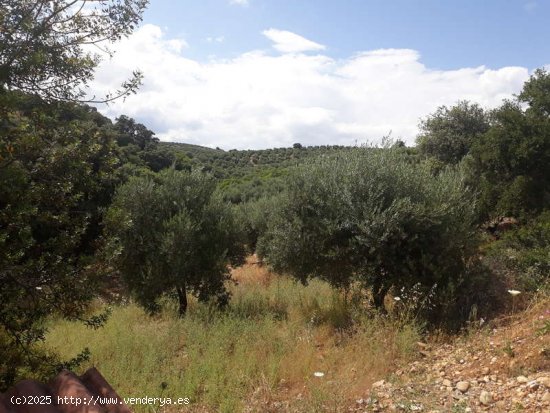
{"points": [[252, 273], [490, 357], [524, 338], [258, 355]]}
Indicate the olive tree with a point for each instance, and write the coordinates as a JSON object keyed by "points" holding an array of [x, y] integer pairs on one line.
{"points": [[173, 232], [375, 217]]}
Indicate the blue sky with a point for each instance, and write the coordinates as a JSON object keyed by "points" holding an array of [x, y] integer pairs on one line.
{"points": [[448, 34], [268, 73]]}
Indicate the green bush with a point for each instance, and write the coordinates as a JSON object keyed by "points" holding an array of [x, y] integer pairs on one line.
{"points": [[448, 134], [252, 217], [525, 254], [511, 162], [373, 216]]}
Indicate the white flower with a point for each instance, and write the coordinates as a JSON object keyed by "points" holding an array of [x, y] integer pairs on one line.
{"points": [[514, 292], [318, 374], [38, 288], [397, 298]]}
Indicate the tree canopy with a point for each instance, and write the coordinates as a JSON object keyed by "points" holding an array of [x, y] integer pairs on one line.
{"points": [[57, 172], [51, 48], [372, 216], [449, 133], [58, 162], [511, 162], [173, 233]]}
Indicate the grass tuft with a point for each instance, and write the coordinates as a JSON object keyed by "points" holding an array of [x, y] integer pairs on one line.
{"points": [[261, 351]]}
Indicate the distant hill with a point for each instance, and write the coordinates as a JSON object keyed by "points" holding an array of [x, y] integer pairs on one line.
{"points": [[233, 163], [246, 174]]}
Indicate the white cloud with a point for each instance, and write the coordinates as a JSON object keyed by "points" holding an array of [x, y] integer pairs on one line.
{"points": [[530, 6], [257, 100], [288, 42], [218, 39], [239, 2]]}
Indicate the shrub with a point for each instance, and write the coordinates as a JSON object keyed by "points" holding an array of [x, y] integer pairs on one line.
{"points": [[372, 216], [525, 254]]}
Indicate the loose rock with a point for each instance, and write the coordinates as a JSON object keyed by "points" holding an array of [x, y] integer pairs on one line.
{"points": [[522, 379], [378, 383], [485, 398], [463, 386]]}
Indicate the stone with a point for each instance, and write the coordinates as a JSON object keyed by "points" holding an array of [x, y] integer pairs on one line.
{"points": [[378, 383], [447, 383], [522, 379], [533, 385], [485, 398], [545, 381], [463, 386], [546, 397]]}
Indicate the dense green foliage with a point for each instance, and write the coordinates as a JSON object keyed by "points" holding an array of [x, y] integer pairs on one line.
{"points": [[238, 163], [511, 162], [57, 173], [57, 167], [173, 232], [392, 219], [245, 175], [524, 254], [448, 134], [373, 216], [506, 150]]}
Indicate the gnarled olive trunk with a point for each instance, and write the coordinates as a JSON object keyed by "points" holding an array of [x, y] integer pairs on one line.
{"points": [[182, 297], [379, 291]]}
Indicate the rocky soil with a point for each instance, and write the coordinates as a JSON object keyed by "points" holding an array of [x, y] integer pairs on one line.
{"points": [[501, 368]]}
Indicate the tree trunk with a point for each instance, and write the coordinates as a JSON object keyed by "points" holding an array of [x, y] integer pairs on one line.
{"points": [[379, 292], [182, 296]]}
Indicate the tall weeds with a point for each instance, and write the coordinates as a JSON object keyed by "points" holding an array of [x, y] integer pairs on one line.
{"points": [[263, 349]]}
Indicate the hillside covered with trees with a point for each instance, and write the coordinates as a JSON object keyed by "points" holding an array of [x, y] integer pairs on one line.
{"points": [[99, 219]]}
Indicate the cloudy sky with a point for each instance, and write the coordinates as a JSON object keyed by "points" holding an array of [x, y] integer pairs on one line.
{"points": [[268, 73]]}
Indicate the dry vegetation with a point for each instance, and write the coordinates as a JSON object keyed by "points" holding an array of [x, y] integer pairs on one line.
{"points": [[259, 355], [502, 366]]}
